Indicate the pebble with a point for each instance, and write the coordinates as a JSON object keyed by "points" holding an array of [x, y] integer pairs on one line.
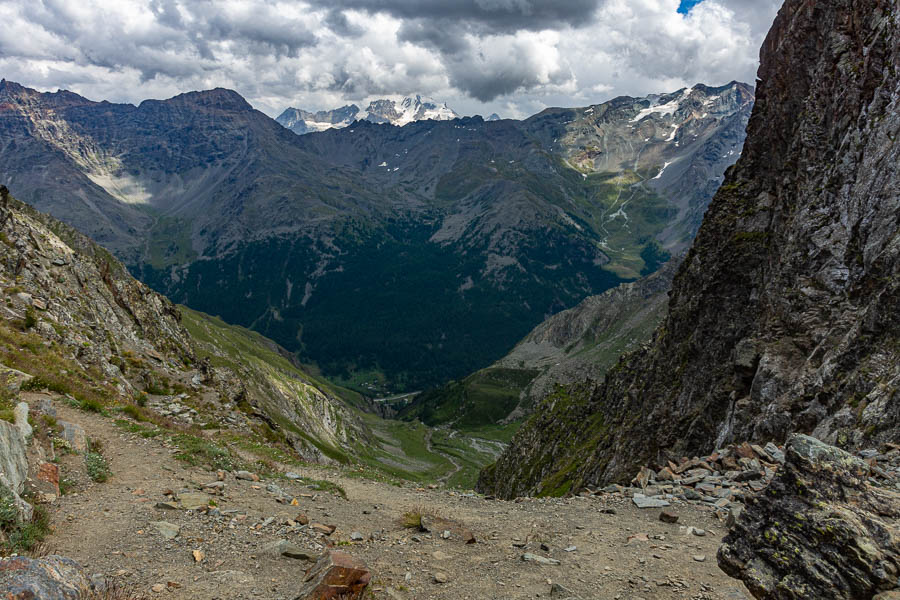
{"points": [[700, 557]]}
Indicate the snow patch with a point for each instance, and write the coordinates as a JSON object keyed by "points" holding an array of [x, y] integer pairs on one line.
{"points": [[663, 170], [671, 137]]}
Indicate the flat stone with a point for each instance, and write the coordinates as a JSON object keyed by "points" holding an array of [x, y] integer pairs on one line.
{"points": [[246, 476], [776, 454], [357, 536], [699, 557], [541, 560], [288, 550], [323, 529], [168, 530], [193, 500], [645, 502], [440, 577]]}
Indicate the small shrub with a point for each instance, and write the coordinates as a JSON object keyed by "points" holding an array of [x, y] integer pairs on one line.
{"points": [[95, 463], [65, 486], [30, 319], [62, 445], [412, 519], [134, 412], [9, 515]]}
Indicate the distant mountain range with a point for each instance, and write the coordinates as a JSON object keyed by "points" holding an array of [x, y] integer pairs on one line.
{"points": [[400, 113], [415, 254]]}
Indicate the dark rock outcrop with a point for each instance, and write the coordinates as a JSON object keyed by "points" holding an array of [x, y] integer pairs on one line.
{"points": [[335, 575], [48, 578], [820, 530], [785, 315]]}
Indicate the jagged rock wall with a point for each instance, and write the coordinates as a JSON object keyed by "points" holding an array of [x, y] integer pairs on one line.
{"points": [[785, 315], [820, 530]]}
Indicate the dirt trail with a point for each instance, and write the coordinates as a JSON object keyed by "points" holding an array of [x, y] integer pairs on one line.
{"points": [[107, 527], [456, 466]]}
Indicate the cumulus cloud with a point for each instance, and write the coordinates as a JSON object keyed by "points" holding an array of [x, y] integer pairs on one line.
{"points": [[514, 57]]}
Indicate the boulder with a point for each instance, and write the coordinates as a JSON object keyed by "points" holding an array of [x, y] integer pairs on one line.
{"points": [[47, 578], [13, 379], [20, 413], [820, 530], [75, 435], [14, 466], [335, 575]]}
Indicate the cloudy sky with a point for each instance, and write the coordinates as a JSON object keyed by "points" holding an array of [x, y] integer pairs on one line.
{"points": [[513, 57]]}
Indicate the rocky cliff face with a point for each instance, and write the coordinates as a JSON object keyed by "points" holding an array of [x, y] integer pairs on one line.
{"points": [[828, 526], [783, 316]]}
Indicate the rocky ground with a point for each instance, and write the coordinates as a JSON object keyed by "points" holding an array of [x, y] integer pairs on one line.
{"points": [[136, 529]]}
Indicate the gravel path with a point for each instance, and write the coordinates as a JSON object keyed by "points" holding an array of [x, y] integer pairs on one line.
{"points": [[606, 547]]}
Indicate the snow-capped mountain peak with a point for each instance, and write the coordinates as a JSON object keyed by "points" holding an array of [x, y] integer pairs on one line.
{"points": [[399, 113]]}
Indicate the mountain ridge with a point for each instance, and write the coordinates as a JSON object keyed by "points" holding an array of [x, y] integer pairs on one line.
{"points": [[496, 221]]}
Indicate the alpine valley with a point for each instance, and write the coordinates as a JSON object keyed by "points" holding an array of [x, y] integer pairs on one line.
{"points": [[398, 354], [394, 258]]}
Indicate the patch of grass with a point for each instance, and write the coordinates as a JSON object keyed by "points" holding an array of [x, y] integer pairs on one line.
{"points": [[27, 352], [327, 486], [196, 452], [135, 412], [91, 405], [21, 537], [412, 519], [65, 486], [141, 430]]}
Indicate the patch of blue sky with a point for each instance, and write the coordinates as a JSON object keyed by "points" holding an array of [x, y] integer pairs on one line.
{"points": [[686, 6]]}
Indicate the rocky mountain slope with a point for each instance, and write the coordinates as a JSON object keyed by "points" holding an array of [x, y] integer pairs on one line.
{"points": [[782, 317], [492, 225], [574, 345], [94, 332], [390, 111]]}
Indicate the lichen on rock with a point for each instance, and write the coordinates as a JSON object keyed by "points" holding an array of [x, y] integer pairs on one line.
{"points": [[820, 530]]}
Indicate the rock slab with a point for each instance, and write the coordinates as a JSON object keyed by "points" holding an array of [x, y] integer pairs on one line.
{"points": [[820, 530], [48, 578], [335, 575]]}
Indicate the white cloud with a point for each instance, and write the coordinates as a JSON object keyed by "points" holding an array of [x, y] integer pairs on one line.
{"points": [[514, 57]]}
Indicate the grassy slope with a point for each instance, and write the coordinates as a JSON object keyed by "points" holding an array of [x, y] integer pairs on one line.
{"points": [[399, 449], [234, 346]]}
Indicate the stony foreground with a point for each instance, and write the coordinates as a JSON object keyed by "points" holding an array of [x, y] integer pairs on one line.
{"points": [[152, 527]]}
